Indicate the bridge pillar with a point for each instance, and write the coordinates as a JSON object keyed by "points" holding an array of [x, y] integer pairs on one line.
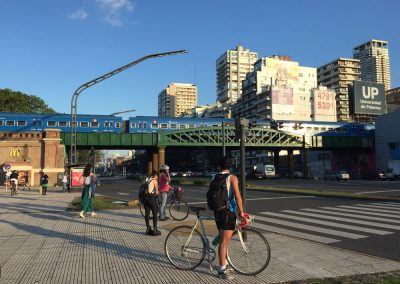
{"points": [[306, 163], [161, 156], [290, 162], [276, 161], [156, 167]]}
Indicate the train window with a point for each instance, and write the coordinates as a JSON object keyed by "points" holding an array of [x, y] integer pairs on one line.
{"points": [[215, 125], [1, 122], [133, 125], [309, 128], [36, 123], [192, 126], [344, 130], [164, 125], [94, 124], [52, 123], [63, 123], [182, 126], [84, 124], [330, 129], [111, 124], [323, 128], [316, 128], [144, 124], [154, 125], [10, 122], [174, 126], [117, 125], [338, 130], [21, 123]]}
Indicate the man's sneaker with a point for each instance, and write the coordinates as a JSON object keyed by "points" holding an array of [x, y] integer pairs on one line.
{"points": [[226, 274], [81, 215], [93, 214]]}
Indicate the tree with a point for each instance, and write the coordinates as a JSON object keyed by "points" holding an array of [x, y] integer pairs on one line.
{"points": [[83, 155], [12, 101]]}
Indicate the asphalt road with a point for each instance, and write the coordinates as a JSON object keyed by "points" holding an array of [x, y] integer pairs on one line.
{"points": [[363, 226]]}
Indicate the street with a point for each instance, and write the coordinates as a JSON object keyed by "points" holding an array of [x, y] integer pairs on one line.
{"points": [[363, 226]]}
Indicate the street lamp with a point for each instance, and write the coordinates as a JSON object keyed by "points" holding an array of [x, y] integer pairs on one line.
{"points": [[93, 82], [120, 112]]}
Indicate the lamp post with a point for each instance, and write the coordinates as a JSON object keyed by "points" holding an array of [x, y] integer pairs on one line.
{"points": [[120, 112], [97, 80]]}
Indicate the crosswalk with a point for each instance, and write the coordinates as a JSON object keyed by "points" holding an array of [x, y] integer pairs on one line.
{"points": [[333, 224]]}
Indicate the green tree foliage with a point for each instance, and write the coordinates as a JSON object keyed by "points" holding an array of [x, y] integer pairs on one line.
{"points": [[83, 156], [12, 101]]}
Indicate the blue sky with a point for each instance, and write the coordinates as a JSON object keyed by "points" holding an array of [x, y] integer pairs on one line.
{"points": [[49, 48]]}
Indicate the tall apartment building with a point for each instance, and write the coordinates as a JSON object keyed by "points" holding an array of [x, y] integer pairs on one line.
{"points": [[177, 99], [232, 67], [374, 61], [337, 75], [277, 89]]}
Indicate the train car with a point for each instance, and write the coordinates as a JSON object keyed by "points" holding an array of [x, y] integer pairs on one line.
{"points": [[18, 122], [327, 128], [155, 124]]}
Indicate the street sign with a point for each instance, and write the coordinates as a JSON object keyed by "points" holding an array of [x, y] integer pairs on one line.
{"points": [[7, 167]]}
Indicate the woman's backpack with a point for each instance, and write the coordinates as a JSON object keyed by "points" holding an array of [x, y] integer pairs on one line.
{"points": [[144, 191], [217, 194]]}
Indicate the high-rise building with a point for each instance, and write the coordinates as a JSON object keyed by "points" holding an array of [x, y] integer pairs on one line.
{"points": [[374, 61], [277, 89], [232, 67], [177, 99], [337, 75], [393, 99]]}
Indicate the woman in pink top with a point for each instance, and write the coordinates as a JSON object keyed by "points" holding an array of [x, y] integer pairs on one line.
{"points": [[164, 189]]}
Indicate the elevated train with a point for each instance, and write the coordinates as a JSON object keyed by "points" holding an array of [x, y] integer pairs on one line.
{"points": [[17, 122]]}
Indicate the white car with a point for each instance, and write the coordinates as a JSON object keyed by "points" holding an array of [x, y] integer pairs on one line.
{"points": [[339, 175]]}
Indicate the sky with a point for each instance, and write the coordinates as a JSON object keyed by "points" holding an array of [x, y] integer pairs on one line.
{"points": [[49, 48]]}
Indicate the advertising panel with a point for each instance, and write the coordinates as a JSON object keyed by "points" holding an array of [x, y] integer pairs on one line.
{"points": [[368, 98], [76, 176], [282, 102], [324, 105], [283, 71]]}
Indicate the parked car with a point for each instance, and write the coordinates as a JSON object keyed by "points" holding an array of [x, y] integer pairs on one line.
{"points": [[255, 175], [381, 175], [338, 175], [298, 174]]}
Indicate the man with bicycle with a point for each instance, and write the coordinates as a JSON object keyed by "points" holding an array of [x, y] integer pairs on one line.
{"points": [[14, 178], [226, 217]]}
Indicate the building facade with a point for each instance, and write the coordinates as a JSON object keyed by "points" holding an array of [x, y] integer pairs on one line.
{"points": [[374, 61], [232, 67], [277, 89], [177, 99], [338, 75]]}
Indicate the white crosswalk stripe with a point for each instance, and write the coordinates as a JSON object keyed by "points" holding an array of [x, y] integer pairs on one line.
{"points": [[394, 204], [315, 224]]}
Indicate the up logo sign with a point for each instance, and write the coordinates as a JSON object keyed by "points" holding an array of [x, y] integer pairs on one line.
{"points": [[370, 92]]}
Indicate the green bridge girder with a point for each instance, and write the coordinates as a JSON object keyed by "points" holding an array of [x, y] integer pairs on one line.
{"points": [[212, 137]]}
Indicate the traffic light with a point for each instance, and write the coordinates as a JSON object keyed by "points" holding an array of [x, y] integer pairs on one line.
{"points": [[241, 124]]}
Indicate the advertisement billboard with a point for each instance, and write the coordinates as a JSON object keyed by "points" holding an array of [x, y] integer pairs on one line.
{"points": [[283, 71], [281, 102], [76, 176], [324, 105], [368, 98]]}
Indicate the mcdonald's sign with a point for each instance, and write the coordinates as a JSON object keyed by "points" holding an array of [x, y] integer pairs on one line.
{"points": [[14, 153]]}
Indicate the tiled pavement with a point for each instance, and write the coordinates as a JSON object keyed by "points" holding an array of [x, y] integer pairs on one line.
{"points": [[40, 242]]}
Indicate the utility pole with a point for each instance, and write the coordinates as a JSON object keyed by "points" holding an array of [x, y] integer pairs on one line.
{"points": [[223, 140], [241, 132]]}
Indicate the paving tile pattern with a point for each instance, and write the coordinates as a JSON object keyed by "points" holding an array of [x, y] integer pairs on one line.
{"points": [[40, 242]]}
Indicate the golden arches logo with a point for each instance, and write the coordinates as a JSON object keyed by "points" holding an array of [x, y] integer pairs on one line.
{"points": [[14, 153]]}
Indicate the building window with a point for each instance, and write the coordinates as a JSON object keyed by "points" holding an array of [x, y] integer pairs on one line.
{"points": [[21, 123], [51, 123]]}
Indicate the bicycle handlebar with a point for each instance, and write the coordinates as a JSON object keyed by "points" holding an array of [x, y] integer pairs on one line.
{"points": [[244, 223]]}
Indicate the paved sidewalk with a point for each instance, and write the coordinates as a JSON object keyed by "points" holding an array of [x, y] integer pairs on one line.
{"points": [[40, 242]]}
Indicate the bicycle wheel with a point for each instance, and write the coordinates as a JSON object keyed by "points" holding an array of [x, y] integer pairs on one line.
{"points": [[179, 210], [184, 249], [12, 189], [250, 256]]}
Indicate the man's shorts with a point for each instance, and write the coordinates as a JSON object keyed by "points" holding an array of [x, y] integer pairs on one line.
{"points": [[225, 220]]}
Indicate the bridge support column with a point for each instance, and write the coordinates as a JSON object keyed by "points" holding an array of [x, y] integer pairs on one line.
{"points": [[161, 156], [306, 163], [156, 167], [290, 162], [276, 161]]}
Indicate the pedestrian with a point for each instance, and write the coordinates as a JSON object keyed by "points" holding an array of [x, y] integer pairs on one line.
{"points": [[150, 203], [26, 181], [44, 182], [225, 216], [14, 178], [7, 178], [165, 179], [65, 181], [87, 197]]}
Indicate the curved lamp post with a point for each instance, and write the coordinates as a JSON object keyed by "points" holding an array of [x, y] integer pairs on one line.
{"points": [[89, 84]]}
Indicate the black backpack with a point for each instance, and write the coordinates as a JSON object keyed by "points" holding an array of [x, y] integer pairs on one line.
{"points": [[144, 192], [217, 194]]}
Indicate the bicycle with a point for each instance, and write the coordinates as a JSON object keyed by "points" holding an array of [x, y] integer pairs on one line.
{"points": [[248, 251], [13, 188], [178, 208]]}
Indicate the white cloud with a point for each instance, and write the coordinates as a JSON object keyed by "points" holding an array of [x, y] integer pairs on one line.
{"points": [[79, 15], [113, 10]]}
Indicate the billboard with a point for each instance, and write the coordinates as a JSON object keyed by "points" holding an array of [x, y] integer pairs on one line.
{"points": [[324, 105], [281, 102], [76, 176], [368, 98], [283, 71]]}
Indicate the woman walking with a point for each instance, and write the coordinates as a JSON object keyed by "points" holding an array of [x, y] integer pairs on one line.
{"points": [[87, 197], [164, 189], [150, 203]]}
